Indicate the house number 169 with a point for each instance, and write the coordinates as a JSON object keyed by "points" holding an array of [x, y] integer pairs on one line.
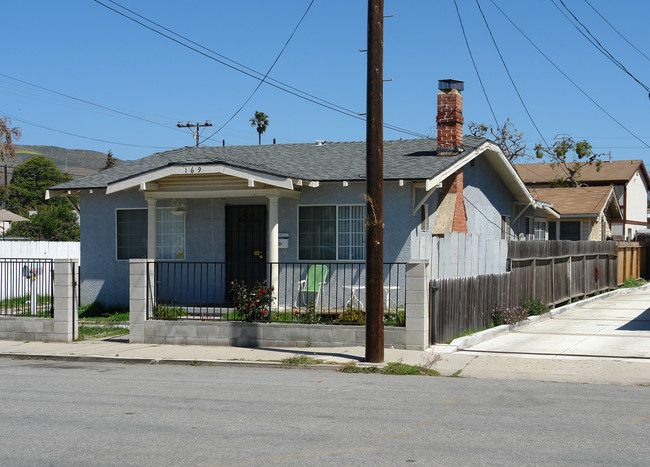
{"points": [[191, 170]]}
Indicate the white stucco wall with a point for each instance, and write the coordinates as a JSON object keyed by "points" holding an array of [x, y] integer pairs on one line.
{"points": [[636, 204]]}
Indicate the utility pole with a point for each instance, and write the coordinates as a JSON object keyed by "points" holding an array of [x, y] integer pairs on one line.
{"points": [[375, 185], [192, 125]]}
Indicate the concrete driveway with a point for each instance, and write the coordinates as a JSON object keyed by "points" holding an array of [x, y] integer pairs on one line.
{"points": [[616, 326]]}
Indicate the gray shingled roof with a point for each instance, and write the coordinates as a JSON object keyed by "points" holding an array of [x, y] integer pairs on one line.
{"points": [[415, 159]]}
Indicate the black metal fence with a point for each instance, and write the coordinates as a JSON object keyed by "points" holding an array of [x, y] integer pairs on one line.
{"points": [[26, 287], [332, 293]]}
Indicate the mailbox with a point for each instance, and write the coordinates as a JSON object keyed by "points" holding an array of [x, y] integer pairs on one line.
{"points": [[283, 240]]}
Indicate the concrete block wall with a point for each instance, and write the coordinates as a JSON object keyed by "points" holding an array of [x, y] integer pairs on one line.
{"points": [[63, 326], [417, 305], [26, 329], [240, 334]]}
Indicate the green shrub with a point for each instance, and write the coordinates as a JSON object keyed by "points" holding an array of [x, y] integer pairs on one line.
{"points": [[395, 318], [252, 304], [632, 282], [534, 306], [352, 315]]}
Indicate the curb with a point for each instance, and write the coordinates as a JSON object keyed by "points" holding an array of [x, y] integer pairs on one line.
{"points": [[487, 334], [188, 362], [166, 361]]}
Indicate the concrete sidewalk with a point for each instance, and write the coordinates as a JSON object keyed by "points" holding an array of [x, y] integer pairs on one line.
{"points": [[118, 349], [603, 340], [616, 326], [463, 364]]}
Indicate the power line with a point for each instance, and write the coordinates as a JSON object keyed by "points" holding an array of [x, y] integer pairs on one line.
{"points": [[509, 75], [14, 117], [568, 78], [596, 43], [460, 20], [252, 74], [263, 78], [223, 56], [87, 102], [43, 96], [616, 30]]}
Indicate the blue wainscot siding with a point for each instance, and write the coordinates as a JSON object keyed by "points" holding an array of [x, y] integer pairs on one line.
{"points": [[105, 279]]}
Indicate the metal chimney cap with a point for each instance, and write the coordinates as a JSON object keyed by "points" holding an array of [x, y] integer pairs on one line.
{"points": [[445, 84]]}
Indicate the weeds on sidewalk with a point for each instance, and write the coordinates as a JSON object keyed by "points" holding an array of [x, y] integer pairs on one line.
{"points": [[393, 368], [302, 360]]}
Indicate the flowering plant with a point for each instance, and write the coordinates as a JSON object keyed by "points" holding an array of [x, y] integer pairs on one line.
{"points": [[535, 306], [508, 315], [252, 304]]}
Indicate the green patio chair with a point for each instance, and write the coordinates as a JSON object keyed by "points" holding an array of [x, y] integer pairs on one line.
{"points": [[312, 285]]}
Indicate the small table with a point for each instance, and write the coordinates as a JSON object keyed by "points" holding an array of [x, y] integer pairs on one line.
{"points": [[354, 289]]}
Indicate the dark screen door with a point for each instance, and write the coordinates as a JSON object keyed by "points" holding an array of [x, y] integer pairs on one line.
{"points": [[246, 244]]}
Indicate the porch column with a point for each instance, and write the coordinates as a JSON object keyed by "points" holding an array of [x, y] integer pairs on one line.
{"points": [[273, 253], [151, 228]]}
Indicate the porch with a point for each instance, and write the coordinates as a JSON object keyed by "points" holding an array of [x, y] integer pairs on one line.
{"points": [[191, 303], [332, 293]]}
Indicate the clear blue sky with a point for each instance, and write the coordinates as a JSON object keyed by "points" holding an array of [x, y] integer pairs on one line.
{"points": [[82, 49]]}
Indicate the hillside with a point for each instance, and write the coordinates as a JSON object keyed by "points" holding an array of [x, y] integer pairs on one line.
{"points": [[77, 162]]}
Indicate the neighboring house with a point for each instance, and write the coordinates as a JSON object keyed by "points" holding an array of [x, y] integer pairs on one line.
{"points": [[291, 203], [6, 218], [629, 179], [586, 213]]}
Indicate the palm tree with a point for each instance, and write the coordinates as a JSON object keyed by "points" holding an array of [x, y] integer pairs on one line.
{"points": [[261, 121]]}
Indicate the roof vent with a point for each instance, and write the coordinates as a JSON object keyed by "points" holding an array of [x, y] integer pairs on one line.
{"points": [[320, 142]]}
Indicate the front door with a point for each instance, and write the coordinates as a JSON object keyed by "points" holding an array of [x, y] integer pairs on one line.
{"points": [[246, 244]]}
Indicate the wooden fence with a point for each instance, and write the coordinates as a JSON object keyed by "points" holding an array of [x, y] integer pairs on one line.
{"points": [[554, 271], [630, 260], [457, 255]]}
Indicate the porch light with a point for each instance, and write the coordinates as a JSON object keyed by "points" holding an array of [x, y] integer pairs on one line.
{"points": [[179, 207]]}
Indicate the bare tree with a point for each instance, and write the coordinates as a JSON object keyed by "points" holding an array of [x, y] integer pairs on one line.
{"points": [[7, 137], [506, 136], [558, 153]]}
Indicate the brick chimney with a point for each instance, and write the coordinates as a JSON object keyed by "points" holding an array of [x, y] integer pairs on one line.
{"points": [[450, 117]]}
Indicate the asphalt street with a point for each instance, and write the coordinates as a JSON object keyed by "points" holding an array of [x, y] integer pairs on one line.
{"points": [[85, 413]]}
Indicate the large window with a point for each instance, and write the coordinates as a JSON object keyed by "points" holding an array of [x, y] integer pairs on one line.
{"points": [[331, 233], [132, 234], [170, 234]]}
